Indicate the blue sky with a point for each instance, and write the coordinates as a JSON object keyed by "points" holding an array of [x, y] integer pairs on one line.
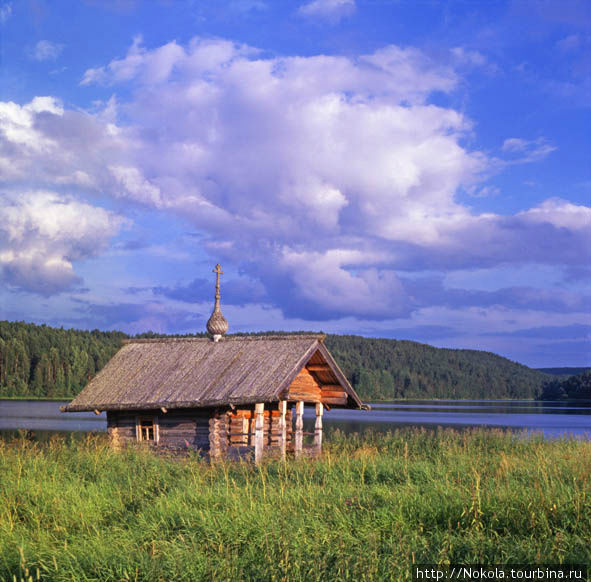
{"points": [[411, 170]]}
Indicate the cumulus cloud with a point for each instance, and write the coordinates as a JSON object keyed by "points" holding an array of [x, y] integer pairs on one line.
{"points": [[17, 124], [333, 10], [44, 142], [45, 50], [319, 176], [42, 234]]}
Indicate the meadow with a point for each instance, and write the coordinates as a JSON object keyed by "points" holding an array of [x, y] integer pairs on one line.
{"points": [[72, 509]]}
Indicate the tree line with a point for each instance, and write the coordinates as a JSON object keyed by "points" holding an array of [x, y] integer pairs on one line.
{"points": [[42, 361], [389, 369], [576, 387]]}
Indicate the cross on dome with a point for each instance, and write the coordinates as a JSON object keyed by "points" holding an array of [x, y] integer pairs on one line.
{"points": [[217, 324]]}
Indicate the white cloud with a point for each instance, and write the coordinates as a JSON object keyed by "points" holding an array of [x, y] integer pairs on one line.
{"points": [[328, 9], [42, 141], [17, 123], [483, 191], [561, 214], [43, 233], [45, 50], [469, 57], [322, 278], [527, 150], [320, 175], [155, 66], [135, 186]]}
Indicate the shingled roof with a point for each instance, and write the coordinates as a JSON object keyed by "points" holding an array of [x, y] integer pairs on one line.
{"points": [[196, 372]]}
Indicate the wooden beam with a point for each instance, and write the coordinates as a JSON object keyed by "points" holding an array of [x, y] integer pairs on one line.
{"points": [[245, 431], [318, 428], [299, 425], [282, 428], [318, 367], [259, 416], [332, 387], [335, 401], [334, 394]]}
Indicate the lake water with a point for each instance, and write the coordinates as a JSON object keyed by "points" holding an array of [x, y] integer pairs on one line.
{"points": [[553, 419]]}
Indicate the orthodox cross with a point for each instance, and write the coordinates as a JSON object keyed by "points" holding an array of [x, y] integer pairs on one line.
{"points": [[218, 271]]}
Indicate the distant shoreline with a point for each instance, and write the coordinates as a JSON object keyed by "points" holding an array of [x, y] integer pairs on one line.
{"points": [[65, 398], [36, 398], [372, 401]]}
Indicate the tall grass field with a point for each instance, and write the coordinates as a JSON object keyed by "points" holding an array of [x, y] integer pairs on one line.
{"points": [[370, 507]]}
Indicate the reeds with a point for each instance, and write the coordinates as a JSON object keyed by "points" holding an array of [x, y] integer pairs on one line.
{"points": [[72, 509]]}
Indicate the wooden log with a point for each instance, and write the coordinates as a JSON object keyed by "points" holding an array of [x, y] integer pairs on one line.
{"points": [[299, 425], [259, 410], [114, 437], [216, 447], [318, 367], [318, 428], [304, 397], [334, 394], [213, 448], [245, 431], [334, 401]]}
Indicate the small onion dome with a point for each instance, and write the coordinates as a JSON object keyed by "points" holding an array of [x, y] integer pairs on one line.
{"points": [[217, 325]]}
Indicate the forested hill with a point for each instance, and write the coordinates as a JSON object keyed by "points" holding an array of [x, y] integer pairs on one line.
{"points": [[388, 369], [37, 360]]}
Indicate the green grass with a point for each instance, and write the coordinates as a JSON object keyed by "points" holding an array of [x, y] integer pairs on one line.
{"points": [[373, 505]]}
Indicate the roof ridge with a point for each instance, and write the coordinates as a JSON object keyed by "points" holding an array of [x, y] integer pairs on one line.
{"points": [[316, 336]]}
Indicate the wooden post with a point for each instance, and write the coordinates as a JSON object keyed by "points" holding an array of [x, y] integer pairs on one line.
{"points": [[214, 444], [114, 440], [259, 426], [299, 426], [282, 428], [318, 428], [245, 431]]}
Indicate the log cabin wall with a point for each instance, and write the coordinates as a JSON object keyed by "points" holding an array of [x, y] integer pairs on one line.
{"points": [[121, 428], [181, 429], [219, 427], [177, 429]]}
